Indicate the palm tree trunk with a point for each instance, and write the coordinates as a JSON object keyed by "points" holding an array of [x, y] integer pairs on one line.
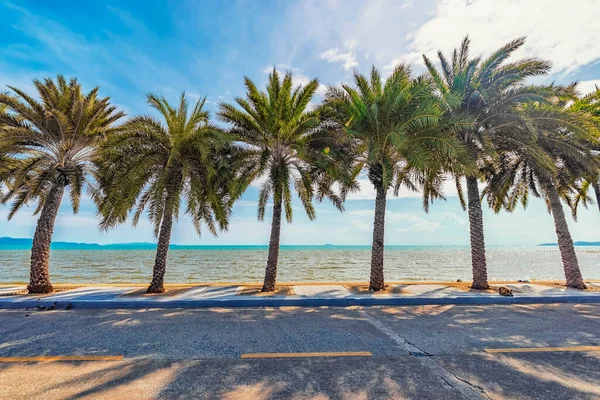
{"points": [[565, 242], [377, 282], [478, 262], [162, 248], [597, 192], [271, 269], [39, 273]]}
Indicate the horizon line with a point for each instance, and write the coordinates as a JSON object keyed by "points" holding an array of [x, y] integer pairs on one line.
{"points": [[581, 242]]}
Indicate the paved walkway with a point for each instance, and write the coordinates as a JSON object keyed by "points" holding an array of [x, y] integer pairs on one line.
{"points": [[303, 295]]}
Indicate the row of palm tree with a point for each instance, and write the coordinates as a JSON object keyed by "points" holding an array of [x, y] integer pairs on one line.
{"points": [[472, 119]]}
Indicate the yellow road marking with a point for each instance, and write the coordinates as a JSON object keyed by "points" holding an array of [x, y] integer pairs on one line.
{"points": [[543, 349], [297, 355], [59, 358]]}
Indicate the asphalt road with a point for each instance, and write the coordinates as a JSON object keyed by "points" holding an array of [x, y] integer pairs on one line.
{"points": [[444, 352]]}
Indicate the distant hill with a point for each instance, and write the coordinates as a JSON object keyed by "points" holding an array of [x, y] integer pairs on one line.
{"points": [[576, 244], [8, 243]]}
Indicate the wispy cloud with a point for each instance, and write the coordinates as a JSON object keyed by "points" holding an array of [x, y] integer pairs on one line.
{"points": [[454, 219], [590, 86], [367, 190], [299, 78], [335, 55], [206, 49], [395, 221], [564, 32]]}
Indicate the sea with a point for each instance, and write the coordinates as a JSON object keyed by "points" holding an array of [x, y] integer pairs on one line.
{"points": [[195, 264]]}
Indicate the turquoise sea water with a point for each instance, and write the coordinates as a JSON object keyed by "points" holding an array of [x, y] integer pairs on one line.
{"points": [[116, 264]]}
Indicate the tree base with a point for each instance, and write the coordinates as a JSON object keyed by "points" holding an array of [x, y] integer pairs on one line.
{"points": [[580, 286], [376, 288], [40, 289], [154, 288], [266, 289], [480, 286]]}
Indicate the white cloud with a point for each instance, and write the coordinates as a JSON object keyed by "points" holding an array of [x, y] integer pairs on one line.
{"points": [[299, 78], [246, 203], [378, 27], [392, 32], [455, 219], [65, 219], [350, 43], [361, 225], [361, 213], [258, 182], [411, 59], [395, 221], [367, 191], [402, 222], [334, 55], [586, 87], [565, 32], [406, 4]]}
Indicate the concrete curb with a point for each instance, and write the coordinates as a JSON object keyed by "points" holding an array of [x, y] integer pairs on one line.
{"points": [[23, 303], [471, 300]]}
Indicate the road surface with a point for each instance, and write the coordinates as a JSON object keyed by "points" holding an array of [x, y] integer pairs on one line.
{"points": [[426, 352]]}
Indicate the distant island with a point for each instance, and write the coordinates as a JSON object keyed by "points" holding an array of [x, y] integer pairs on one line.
{"points": [[9, 243], [25, 244], [576, 244]]}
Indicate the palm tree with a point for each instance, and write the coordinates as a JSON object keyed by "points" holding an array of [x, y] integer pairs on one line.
{"points": [[53, 145], [551, 165], [5, 161], [490, 91], [589, 104], [283, 140], [152, 165], [395, 126]]}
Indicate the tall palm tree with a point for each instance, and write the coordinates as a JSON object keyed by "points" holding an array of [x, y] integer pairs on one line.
{"points": [[282, 138], [399, 140], [151, 164], [490, 91], [53, 146], [5, 161], [551, 165], [588, 104]]}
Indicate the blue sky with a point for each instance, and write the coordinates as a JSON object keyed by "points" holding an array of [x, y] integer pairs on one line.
{"points": [[206, 47]]}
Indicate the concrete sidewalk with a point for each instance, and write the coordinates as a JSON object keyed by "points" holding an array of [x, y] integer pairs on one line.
{"points": [[303, 295]]}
